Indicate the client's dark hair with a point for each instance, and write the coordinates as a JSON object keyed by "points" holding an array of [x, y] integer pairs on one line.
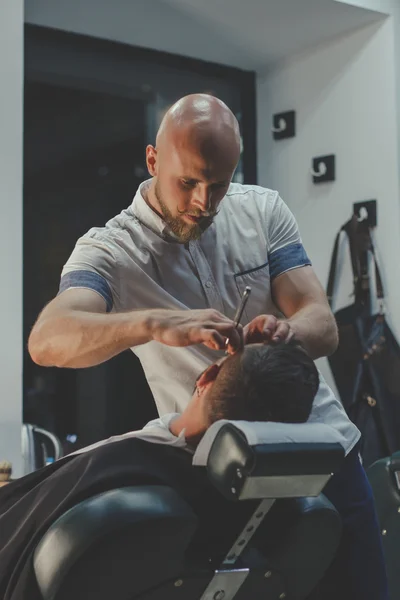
{"points": [[276, 382]]}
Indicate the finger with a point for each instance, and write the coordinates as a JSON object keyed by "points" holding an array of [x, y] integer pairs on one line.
{"points": [[213, 339], [256, 324], [235, 340], [253, 336], [270, 328], [253, 331], [282, 331], [247, 334]]}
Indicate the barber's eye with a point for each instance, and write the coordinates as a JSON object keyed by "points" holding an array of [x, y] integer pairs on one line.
{"points": [[188, 183]]}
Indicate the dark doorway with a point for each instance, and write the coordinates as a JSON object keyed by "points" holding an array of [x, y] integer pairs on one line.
{"points": [[84, 158]]}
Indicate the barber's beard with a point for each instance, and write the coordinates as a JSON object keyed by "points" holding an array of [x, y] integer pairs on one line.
{"points": [[182, 230]]}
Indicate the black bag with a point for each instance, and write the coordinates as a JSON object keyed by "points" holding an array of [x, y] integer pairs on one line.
{"points": [[366, 366]]}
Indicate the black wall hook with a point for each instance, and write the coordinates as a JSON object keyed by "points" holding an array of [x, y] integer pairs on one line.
{"points": [[324, 169], [366, 211], [284, 125]]}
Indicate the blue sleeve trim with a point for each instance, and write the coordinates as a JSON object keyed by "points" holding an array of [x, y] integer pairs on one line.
{"points": [[90, 280], [287, 258]]}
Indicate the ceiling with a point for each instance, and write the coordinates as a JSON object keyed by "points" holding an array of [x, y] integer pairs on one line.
{"points": [[249, 34], [270, 30]]}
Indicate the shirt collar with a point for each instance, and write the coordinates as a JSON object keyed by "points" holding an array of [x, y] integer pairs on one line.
{"points": [[147, 216], [164, 422]]}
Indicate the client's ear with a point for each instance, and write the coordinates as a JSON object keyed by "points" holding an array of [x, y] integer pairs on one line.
{"points": [[209, 375]]}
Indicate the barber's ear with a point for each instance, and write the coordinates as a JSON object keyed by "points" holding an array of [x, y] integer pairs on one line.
{"points": [[151, 160], [209, 375]]}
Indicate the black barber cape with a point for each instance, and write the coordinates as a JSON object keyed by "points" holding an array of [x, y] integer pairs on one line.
{"points": [[28, 506]]}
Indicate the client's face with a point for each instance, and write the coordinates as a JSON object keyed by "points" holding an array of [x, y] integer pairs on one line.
{"points": [[208, 378], [273, 382], [196, 417]]}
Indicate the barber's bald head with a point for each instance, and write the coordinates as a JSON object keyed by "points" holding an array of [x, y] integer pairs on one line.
{"points": [[196, 154], [201, 123]]}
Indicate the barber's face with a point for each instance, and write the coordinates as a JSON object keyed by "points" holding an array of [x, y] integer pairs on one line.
{"points": [[189, 188]]}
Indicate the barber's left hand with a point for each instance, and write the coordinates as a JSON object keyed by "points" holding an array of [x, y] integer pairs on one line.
{"points": [[267, 328]]}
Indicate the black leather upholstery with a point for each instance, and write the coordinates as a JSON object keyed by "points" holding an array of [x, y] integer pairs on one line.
{"points": [[130, 543], [301, 541], [146, 541], [101, 547], [381, 475], [231, 453]]}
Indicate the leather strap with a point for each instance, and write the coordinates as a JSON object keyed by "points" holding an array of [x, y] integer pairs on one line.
{"points": [[349, 229], [360, 242], [364, 247], [358, 262], [332, 268], [378, 279]]}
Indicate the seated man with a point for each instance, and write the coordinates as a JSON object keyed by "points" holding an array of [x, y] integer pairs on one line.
{"points": [[263, 383], [260, 383]]}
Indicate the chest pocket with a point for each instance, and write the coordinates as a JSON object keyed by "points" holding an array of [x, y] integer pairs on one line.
{"points": [[260, 297]]}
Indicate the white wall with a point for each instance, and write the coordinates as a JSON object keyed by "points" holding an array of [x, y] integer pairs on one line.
{"points": [[384, 6], [345, 97], [390, 7], [11, 98]]}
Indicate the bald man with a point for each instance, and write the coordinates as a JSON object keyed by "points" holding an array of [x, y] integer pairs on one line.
{"points": [[164, 278]]}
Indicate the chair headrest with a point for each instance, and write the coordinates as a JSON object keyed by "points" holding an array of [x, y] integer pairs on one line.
{"points": [[259, 433], [249, 460]]}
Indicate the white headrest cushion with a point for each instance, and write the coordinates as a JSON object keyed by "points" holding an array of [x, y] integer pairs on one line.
{"points": [[262, 432]]}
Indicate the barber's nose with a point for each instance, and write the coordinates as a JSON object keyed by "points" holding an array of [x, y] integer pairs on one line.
{"points": [[202, 199]]}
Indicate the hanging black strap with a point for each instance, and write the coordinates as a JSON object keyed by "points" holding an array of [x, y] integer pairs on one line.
{"points": [[358, 264], [350, 229], [360, 241], [332, 269], [365, 248], [378, 279]]}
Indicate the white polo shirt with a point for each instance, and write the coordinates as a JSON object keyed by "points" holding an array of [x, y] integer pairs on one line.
{"points": [[135, 263]]}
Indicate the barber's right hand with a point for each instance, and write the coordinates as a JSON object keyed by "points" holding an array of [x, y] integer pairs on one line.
{"points": [[188, 327]]}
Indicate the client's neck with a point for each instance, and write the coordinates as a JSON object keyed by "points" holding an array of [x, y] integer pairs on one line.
{"points": [[193, 426]]}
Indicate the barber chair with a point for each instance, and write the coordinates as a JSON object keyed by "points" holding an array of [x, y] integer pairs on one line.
{"points": [[144, 541], [384, 476]]}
